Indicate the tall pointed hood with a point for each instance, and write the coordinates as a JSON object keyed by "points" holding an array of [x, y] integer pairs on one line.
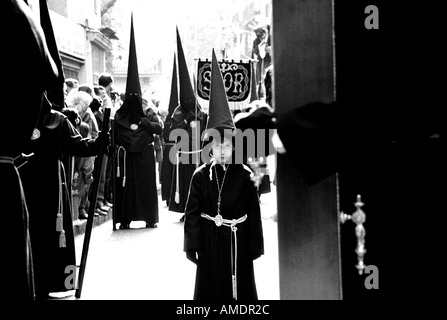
{"points": [[219, 114], [133, 78], [173, 99], [56, 94], [187, 96], [254, 81], [132, 108]]}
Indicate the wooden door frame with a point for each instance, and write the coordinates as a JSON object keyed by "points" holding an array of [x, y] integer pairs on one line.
{"points": [[308, 223]]}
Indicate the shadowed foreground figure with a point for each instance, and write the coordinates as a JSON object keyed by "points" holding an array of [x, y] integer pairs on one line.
{"points": [[25, 52]]}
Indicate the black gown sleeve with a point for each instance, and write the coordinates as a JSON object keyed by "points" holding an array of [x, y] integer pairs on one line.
{"points": [[153, 126], [256, 238], [193, 210], [320, 138], [74, 145]]}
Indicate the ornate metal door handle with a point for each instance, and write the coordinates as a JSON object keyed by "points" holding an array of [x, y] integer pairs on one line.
{"points": [[358, 217], [259, 166]]}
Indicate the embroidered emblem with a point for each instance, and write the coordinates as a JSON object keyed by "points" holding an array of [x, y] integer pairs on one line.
{"points": [[36, 134], [218, 220]]}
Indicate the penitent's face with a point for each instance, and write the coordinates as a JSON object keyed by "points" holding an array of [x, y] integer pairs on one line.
{"points": [[222, 151]]}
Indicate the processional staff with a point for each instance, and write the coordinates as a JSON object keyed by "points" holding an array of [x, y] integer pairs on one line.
{"points": [[93, 197]]}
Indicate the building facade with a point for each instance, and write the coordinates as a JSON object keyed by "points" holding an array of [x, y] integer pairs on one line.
{"points": [[82, 46]]}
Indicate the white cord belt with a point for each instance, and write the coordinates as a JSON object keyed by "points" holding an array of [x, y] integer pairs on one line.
{"points": [[7, 160], [219, 221], [118, 172]]}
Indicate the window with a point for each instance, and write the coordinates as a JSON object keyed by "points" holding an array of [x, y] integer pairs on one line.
{"points": [[98, 60], [70, 73]]}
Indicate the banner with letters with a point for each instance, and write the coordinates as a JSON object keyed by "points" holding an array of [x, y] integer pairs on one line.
{"points": [[236, 77]]}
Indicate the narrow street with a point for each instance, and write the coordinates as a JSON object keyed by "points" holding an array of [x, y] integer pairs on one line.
{"points": [[149, 264]]}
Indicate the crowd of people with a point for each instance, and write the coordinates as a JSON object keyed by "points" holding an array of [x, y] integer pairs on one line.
{"points": [[84, 105]]}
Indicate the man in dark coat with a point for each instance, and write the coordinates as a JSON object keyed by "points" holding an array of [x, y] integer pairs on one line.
{"points": [[26, 53], [223, 227], [136, 189]]}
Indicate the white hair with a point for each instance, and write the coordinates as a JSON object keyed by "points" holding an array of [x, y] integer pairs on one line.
{"points": [[80, 100]]}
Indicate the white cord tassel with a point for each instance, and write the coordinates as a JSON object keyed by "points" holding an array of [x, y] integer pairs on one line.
{"points": [[62, 240], [213, 163], [59, 217], [234, 259], [177, 188], [59, 227], [234, 287]]}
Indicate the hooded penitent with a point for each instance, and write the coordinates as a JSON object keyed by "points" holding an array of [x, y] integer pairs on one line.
{"points": [[135, 185], [26, 53], [189, 117], [223, 193], [131, 112]]}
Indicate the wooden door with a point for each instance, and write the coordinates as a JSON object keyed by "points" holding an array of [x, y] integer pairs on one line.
{"points": [[322, 51]]}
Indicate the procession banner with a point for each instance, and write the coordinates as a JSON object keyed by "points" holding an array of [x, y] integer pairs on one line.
{"points": [[236, 77]]}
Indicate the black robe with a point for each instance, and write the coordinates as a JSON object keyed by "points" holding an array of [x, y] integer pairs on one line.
{"points": [[167, 167], [41, 182], [184, 171], [137, 199], [17, 249], [239, 197]]}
